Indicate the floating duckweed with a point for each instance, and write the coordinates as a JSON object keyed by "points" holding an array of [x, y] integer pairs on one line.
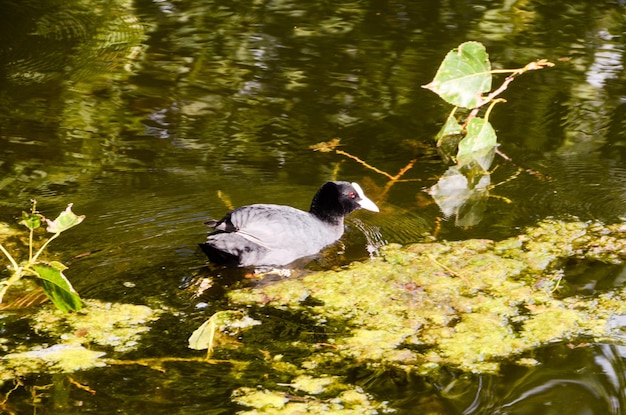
{"points": [[469, 304], [260, 399], [106, 324], [57, 358], [349, 402], [550, 323], [312, 385]]}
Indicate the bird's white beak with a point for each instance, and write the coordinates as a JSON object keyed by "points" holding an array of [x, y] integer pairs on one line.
{"points": [[365, 203]]}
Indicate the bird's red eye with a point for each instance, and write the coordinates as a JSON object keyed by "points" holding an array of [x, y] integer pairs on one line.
{"points": [[352, 195]]}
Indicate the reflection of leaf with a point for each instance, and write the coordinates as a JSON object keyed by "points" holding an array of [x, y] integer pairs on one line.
{"points": [[67, 219], [57, 287], [472, 211], [479, 144], [455, 196], [464, 75], [451, 191]]}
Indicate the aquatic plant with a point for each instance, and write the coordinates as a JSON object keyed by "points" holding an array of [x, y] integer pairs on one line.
{"points": [[464, 80], [466, 139], [49, 275]]}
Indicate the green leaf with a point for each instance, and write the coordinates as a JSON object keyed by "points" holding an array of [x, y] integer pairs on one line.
{"points": [[57, 265], [202, 338], [67, 219], [464, 75], [212, 331], [450, 127], [31, 220], [479, 144], [448, 138], [57, 287]]}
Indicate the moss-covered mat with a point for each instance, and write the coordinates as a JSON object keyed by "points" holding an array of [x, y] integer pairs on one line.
{"points": [[469, 304]]}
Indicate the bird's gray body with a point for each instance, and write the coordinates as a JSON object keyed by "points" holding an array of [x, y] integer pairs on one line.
{"points": [[266, 234], [276, 235]]}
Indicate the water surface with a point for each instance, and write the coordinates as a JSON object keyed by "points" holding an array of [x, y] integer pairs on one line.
{"points": [[140, 113]]}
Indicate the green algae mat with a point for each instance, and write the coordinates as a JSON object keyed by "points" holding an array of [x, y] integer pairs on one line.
{"points": [[470, 305]]}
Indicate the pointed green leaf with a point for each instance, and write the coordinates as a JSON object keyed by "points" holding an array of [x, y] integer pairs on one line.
{"points": [[450, 127], [31, 220], [57, 287], [464, 75], [67, 219], [448, 138], [479, 144], [57, 265], [211, 332]]}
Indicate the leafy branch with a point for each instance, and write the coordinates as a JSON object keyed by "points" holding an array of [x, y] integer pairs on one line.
{"points": [[466, 139], [49, 275], [464, 80]]}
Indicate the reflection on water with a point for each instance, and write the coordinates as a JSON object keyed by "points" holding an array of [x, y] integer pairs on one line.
{"points": [[575, 379], [140, 113], [586, 380]]}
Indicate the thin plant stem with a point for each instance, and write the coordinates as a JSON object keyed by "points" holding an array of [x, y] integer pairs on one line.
{"points": [[392, 179], [30, 245], [33, 210], [9, 257], [491, 105], [52, 238], [448, 269], [369, 166], [396, 178]]}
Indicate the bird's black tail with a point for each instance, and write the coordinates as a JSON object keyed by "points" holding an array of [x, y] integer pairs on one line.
{"points": [[219, 257]]}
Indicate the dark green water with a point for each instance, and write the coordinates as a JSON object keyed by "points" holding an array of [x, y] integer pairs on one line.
{"points": [[139, 113]]}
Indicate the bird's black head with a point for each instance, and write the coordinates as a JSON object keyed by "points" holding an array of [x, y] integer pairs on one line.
{"points": [[334, 200]]}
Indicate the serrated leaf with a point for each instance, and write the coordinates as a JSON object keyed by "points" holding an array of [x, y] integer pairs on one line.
{"points": [[31, 220], [57, 287], [463, 76], [66, 220], [479, 144]]}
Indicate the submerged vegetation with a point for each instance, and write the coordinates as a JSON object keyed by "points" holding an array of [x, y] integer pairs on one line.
{"points": [[466, 304], [82, 339], [469, 305]]}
